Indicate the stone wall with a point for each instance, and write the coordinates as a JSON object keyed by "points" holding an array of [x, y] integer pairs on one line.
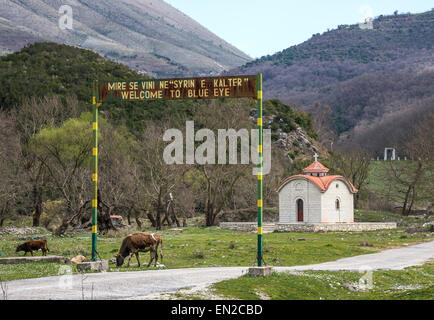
{"points": [[308, 227], [13, 260], [246, 226], [316, 227]]}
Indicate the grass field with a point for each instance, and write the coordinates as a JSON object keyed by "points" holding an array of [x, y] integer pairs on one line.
{"points": [[205, 247], [411, 283], [378, 182], [380, 216]]}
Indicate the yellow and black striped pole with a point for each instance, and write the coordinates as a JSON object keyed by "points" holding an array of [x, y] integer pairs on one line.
{"points": [[95, 105], [259, 120]]}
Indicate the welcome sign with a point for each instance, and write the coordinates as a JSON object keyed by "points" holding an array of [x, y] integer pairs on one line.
{"points": [[244, 86], [179, 88]]}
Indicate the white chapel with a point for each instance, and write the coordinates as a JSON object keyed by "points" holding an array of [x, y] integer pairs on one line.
{"points": [[315, 197]]}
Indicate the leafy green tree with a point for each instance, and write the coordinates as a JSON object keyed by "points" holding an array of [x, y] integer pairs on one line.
{"points": [[65, 152], [29, 118]]}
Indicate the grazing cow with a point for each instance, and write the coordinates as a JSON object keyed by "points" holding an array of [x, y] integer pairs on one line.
{"points": [[140, 242], [33, 245]]}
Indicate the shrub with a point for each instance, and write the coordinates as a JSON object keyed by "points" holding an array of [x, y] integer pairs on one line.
{"points": [[51, 213], [198, 254]]}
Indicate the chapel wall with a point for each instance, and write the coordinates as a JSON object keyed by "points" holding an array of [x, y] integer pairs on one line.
{"points": [[346, 203], [299, 189]]}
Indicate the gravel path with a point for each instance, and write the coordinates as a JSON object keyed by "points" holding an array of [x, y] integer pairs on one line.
{"points": [[140, 284], [391, 259]]}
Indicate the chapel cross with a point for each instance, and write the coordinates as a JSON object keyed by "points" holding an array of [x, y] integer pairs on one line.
{"points": [[316, 157]]}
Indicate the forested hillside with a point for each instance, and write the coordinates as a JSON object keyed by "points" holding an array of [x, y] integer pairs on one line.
{"points": [[368, 77], [44, 69], [45, 139], [47, 68]]}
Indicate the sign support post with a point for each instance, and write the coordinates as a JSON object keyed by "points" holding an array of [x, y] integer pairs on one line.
{"points": [[242, 86], [95, 105], [260, 208]]}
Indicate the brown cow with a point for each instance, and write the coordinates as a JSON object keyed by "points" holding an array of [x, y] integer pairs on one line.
{"points": [[33, 245], [140, 242]]}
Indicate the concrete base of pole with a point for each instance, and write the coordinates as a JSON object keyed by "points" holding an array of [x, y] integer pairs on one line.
{"points": [[260, 271], [93, 265]]}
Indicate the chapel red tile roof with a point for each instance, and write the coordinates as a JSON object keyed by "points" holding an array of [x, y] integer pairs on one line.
{"points": [[316, 167], [322, 183]]}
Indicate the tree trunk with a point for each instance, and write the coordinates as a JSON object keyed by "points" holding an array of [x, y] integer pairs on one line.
{"points": [[356, 200], [37, 205], [65, 223], [404, 205], [3, 211], [166, 216], [210, 218], [129, 217], [413, 196], [2, 215], [174, 217], [151, 218], [105, 223], [210, 214], [69, 218], [159, 209], [158, 219], [139, 223]]}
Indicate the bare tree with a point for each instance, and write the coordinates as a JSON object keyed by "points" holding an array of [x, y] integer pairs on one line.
{"points": [[353, 165], [219, 181], [158, 179], [10, 169], [117, 171], [323, 124], [30, 118], [413, 179]]}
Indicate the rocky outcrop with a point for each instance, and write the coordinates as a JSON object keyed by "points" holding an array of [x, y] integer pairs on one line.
{"points": [[297, 140], [297, 144]]}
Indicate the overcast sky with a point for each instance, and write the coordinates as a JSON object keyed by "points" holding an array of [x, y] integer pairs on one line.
{"points": [[261, 27]]}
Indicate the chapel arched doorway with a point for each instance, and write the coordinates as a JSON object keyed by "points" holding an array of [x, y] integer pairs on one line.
{"points": [[300, 210]]}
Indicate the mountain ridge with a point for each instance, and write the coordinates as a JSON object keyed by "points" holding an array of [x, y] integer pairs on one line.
{"points": [[363, 75], [146, 35]]}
